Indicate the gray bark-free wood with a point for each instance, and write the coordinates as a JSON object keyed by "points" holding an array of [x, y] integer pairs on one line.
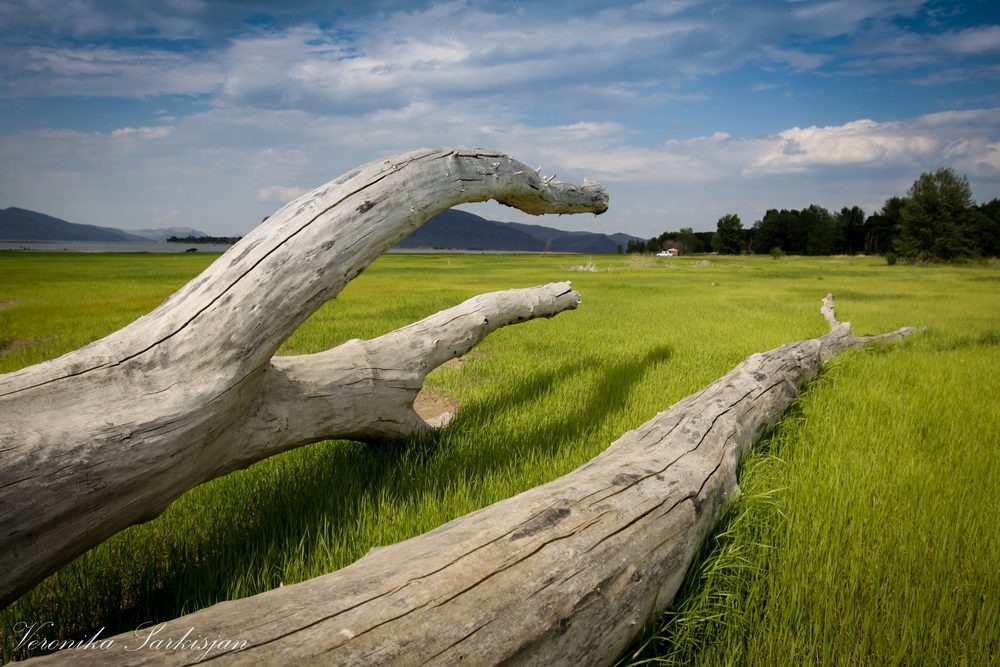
{"points": [[108, 435], [563, 574]]}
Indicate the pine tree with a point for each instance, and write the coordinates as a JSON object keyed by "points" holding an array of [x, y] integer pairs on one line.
{"points": [[934, 219]]}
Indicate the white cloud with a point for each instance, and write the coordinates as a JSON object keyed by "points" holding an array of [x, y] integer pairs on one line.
{"points": [[796, 59], [442, 51], [764, 86], [835, 17], [961, 138], [100, 18], [985, 39], [226, 168], [280, 194], [665, 7], [81, 70], [892, 48], [159, 132], [583, 89]]}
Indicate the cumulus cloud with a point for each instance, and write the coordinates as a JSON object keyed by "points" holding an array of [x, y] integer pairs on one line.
{"points": [[962, 139], [300, 95]]}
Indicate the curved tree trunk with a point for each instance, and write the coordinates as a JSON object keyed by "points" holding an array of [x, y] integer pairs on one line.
{"points": [[108, 435], [563, 574]]}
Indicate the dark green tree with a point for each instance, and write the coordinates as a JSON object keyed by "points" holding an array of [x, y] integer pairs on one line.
{"points": [[934, 221], [635, 247], [798, 227], [728, 239], [851, 223], [775, 230], [766, 234], [985, 229], [688, 242], [706, 239], [880, 228], [821, 234]]}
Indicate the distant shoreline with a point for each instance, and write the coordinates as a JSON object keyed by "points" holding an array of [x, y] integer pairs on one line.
{"points": [[174, 248], [98, 246]]}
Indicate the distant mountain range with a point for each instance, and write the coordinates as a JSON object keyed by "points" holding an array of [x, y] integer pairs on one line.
{"points": [[18, 224], [461, 230], [451, 230]]}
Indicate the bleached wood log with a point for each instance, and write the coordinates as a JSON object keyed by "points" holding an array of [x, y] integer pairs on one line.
{"points": [[108, 435], [563, 574]]}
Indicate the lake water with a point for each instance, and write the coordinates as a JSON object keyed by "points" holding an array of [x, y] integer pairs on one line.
{"points": [[88, 246]]}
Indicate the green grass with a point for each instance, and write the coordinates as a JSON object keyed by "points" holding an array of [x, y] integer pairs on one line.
{"points": [[866, 534]]}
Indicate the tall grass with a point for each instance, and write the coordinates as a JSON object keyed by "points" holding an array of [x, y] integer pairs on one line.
{"points": [[867, 531], [543, 397]]}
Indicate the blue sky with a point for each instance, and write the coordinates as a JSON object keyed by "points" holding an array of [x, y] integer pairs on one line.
{"points": [[213, 114]]}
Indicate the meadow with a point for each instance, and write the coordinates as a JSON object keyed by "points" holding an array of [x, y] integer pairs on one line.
{"points": [[866, 533]]}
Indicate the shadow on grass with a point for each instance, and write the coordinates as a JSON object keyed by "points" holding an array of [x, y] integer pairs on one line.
{"points": [[226, 535], [988, 339], [602, 399], [710, 603]]}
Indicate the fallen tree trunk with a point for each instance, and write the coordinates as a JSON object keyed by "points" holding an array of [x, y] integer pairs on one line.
{"points": [[108, 435], [563, 574]]}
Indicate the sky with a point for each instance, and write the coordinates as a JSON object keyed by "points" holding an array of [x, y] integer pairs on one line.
{"points": [[213, 114]]}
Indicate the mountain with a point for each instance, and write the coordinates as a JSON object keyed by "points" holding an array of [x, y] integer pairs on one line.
{"points": [[455, 229], [18, 224], [623, 239], [161, 234], [449, 230], [557, 240]]}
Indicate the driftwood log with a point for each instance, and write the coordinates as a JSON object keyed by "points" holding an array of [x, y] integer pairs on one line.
{"points": [[107, 436], [563, 574]]}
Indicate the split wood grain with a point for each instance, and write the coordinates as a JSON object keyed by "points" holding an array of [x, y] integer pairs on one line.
{"points": [[563, 574], [107, 436]]}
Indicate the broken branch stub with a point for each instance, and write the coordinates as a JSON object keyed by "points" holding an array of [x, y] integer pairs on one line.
{"points": [[108, 435], [563, 574]]}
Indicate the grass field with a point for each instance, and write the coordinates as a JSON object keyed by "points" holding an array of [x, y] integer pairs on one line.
{"points": [[867, 534]]}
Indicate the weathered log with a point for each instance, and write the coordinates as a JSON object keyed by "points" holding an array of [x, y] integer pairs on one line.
{"points": [[108, 435], [563, 574]]}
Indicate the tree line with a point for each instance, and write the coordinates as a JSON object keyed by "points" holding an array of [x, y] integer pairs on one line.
{"points": [[937, 220], [219, 240]]}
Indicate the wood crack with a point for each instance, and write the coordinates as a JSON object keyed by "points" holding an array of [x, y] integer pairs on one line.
{"points": [[188, 376]]}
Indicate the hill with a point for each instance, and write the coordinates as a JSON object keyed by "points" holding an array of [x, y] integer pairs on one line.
{"points": [[19, 224], [454, 229], [557, 240]]}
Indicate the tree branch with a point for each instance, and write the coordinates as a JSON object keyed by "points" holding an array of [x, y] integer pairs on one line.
{"points": [[109, 435], [563, 574]]}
